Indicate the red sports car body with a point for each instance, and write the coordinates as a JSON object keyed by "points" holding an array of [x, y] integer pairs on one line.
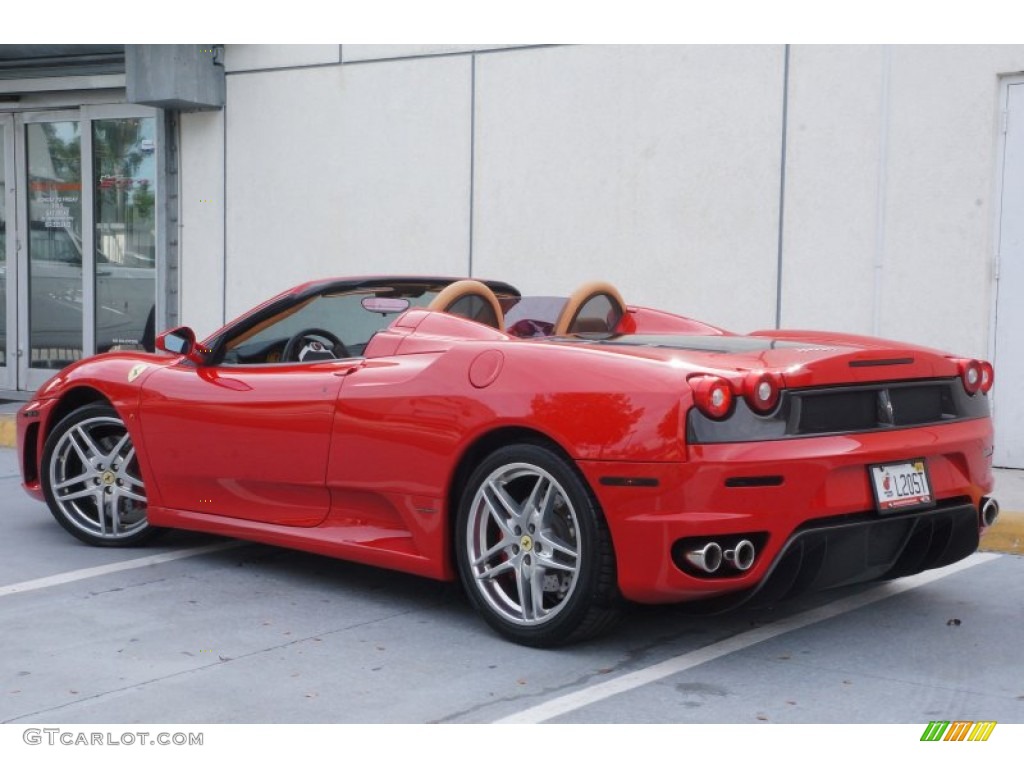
{"points": [[557, 455]]}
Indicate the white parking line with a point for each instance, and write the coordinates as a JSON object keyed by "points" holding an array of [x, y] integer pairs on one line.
{"points": [[594, 693], [102, 570]]}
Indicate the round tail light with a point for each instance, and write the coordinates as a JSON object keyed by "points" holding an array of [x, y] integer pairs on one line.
{"points": [[988, 376], [971, 375], [713, 396], [762, 391]]}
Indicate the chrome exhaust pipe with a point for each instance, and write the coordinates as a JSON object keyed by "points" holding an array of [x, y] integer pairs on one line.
{"points": [[741, 557], [708, 558], [989, 511]]}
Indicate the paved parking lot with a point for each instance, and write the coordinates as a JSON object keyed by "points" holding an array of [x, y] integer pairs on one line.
{"points": [[200, 629]]}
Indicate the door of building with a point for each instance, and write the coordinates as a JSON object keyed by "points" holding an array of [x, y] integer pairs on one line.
{"points": [[8, 278], [80, 229], [1009, 335]]}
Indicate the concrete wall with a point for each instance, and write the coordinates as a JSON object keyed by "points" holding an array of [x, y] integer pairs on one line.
{"points": [[891, 169], [657, 167], [201, 217], [346, 170], [653, 167]]}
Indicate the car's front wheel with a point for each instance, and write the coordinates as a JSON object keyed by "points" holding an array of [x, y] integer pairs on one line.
{"points": [[91, 479], [533, 549]]}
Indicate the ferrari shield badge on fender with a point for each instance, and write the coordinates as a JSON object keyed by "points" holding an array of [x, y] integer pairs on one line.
{"points": [[136, 370]]}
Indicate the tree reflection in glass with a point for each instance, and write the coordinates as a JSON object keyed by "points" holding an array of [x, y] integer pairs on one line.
{"points": [[124, 187], [54, 243]]}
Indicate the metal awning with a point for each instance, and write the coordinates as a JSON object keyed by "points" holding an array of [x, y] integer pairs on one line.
{"points": [[30, 61]]}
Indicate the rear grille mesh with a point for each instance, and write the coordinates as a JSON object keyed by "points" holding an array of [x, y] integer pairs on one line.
{"points": [[857, 410], [837, 412]]}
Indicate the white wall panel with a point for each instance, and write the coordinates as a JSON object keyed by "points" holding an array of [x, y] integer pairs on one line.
{"points": [[655, 167], [201, 215], [832, 184], [243, 57], [346, 170], [365, 52], [943, 127], [1008, 346]]}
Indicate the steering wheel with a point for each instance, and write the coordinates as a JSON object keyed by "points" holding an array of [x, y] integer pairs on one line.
{"points": [[300, 340]]}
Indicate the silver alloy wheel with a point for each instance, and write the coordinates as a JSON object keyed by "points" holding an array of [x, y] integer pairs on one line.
{"points": [[95, 481], [522, 540]]}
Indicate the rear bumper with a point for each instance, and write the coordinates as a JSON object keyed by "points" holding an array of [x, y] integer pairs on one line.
{"points": [[823, 555], [806, 500]]}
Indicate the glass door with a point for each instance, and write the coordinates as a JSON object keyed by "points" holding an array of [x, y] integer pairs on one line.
{"points": [[124, 186], [87, 234], [52, 237], [8, 261]]}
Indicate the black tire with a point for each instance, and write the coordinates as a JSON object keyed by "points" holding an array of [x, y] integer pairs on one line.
{"points": [[91, 479], [533, 549]]}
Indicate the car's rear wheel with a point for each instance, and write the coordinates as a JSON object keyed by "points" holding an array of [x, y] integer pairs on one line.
{"points": [[533, 549], [91, 479]]}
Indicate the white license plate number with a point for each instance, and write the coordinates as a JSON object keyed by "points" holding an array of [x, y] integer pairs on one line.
{"points": [[901, 486]]}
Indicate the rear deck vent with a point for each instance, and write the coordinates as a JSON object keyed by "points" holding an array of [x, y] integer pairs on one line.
{"points": [[884, 361]]}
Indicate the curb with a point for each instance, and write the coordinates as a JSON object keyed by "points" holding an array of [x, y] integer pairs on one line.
{"points": [[8, 435], [1006, 536]]}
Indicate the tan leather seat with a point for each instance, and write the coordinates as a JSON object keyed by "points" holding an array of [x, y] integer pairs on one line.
{"points": [[470, 299], [595, 307]]}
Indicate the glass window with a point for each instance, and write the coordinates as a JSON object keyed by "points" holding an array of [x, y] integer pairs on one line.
{"points": [[532, 315], [3, 249], [349, 319], [124, 190], [598, 315], [54, 243]]}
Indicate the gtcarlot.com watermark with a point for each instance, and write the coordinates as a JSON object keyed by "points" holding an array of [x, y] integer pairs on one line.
{"points": [[61, 737]]}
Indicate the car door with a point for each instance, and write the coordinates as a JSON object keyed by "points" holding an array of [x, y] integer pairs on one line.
{"points": [[239, 441]]}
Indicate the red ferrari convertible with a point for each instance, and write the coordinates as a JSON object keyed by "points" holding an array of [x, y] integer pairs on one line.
{"points": [[558, 455]]}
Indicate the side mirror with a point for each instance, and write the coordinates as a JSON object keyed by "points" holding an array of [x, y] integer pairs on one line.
{"points": [[182, 341]]}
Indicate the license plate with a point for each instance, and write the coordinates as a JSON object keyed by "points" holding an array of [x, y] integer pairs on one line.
{"points": [[901, 486]]}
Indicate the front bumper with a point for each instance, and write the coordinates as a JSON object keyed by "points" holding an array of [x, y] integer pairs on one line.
{"points": [[31, 436]]}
